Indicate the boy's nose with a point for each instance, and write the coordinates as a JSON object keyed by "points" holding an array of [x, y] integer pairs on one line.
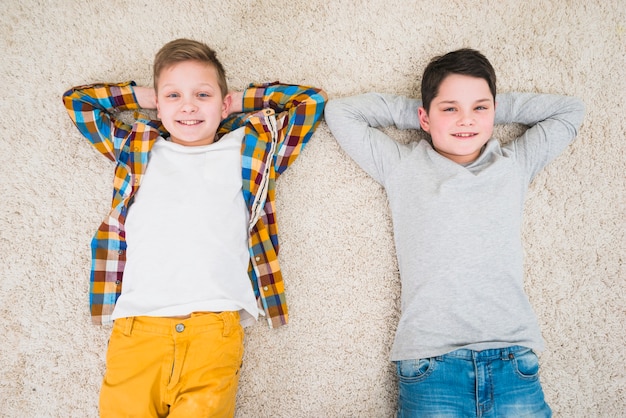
{"points": [[189, 107], [466, 120]]}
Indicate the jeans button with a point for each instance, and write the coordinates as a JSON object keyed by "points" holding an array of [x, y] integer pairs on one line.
{"points": [[180, 327]]}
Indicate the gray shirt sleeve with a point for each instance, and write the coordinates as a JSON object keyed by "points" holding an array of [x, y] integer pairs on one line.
{"points": [[354, 121], [553, 123]]}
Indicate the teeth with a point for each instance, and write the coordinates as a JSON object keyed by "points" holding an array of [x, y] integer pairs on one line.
{"points": [[189, 122], [464, 135]]}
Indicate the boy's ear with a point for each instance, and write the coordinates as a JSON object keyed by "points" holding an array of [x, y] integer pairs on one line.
{"points": [[424, 120], [228, 100]]}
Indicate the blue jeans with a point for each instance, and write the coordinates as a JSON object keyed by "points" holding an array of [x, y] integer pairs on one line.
{"points": [[465, 383]]}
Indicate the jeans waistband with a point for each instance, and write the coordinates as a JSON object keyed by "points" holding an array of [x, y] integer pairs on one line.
{"points": [[489, 354]]}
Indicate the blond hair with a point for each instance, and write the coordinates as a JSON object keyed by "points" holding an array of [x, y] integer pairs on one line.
{"points": [[181, 50]]}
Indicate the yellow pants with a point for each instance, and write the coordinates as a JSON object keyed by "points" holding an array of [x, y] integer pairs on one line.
{"points": [[168, 367]]}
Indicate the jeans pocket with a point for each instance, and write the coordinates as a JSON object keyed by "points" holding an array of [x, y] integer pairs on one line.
{"points": [[526, 364], [415, 370]]}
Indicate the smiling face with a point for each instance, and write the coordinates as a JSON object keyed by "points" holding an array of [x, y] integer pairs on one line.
{"points": [[461, 117], [190, 103]]}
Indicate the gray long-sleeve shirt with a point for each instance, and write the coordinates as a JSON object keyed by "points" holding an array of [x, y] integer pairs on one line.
{"points": [[457, 228]]}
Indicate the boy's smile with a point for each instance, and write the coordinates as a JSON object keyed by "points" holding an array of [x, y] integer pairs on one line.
{"points": [[461, 117], [190, 103]]}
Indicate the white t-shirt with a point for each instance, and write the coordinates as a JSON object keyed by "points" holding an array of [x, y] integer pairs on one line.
{"points": [[187, 234]]}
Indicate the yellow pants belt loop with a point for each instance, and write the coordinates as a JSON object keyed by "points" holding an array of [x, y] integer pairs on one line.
{"points": [[128, 325]]}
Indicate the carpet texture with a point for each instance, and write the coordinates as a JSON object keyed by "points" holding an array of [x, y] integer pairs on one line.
{"points": [[337, 246]]}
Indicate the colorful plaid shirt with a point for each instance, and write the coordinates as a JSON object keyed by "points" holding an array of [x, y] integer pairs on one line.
{"points": [[279, 120]]}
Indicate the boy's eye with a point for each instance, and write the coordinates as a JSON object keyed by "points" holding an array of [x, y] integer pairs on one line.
{"points": [[204, 95], [172, 95], [448, 109], [481, 108]]}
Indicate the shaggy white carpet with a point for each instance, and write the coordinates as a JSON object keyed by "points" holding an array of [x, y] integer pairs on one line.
{"points": [[337, 245]]}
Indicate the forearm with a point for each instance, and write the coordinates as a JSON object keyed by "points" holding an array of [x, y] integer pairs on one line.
{"points": [[355, 123], [375, 110], [91, 107], [530, 109], [553, 121], [300, 109], [282, 97], [146, 97], [107, 97], [303, 105]]}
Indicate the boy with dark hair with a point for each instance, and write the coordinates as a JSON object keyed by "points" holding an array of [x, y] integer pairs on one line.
{"points": [[466, 340], [188, 252]]}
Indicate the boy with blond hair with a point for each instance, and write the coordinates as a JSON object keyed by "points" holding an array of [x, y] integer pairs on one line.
{"points": [[188, 251], [466, 340]]}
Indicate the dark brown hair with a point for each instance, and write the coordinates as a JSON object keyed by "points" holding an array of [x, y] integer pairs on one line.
{"points": [[462, 61]]}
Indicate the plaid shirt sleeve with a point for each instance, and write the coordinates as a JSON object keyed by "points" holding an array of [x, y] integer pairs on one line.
{"points": [[299, 110], [91, 108]]}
